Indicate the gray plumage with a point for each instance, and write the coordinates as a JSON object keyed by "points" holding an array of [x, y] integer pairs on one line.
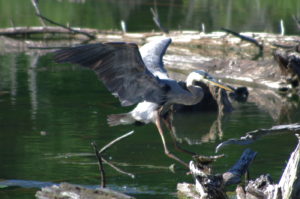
{"points": [[138, 78], [120, 67]]}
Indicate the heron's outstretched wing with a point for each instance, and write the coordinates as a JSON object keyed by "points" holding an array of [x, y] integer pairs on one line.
{"points": [[152, 54], [120, 67]]}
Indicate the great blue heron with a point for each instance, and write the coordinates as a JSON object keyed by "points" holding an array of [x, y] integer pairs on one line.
{"points": [[138, 77]]}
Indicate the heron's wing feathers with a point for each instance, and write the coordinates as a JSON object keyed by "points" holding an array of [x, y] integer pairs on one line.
{"points": [[120, 67], [152, 54]]}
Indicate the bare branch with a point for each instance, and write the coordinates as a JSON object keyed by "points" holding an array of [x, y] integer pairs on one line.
{"points": [[252, 136], [118, 169], [37, 11], [115, 140], [66, 27], [157, 20], [43, 19], [101, 169], [245, 38]]}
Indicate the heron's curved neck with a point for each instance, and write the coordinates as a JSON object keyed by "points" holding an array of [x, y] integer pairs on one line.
{"points": [[196, 91]]}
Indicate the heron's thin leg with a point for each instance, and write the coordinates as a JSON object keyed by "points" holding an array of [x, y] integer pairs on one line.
{"points": [[167, 152], [168, 123]]}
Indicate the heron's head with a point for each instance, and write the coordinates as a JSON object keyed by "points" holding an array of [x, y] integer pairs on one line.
{"points": [[202, 76]]}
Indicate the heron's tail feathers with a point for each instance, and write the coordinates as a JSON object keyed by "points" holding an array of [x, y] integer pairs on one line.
{"points": [[118, 119]]}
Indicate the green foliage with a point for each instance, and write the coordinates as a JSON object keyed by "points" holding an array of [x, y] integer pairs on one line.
{"points": [[240, 15]]}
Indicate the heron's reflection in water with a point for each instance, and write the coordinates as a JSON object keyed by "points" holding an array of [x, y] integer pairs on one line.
{"points": [[196, 128], [203, 122]]}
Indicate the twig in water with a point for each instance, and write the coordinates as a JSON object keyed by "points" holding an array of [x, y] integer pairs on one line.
{"points": [[115, 140], [118, 169], [101, 169], [101, 159]]}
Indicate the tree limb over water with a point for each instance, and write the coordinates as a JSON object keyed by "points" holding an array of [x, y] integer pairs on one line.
{"points": [[43, 19], [252, 136]]}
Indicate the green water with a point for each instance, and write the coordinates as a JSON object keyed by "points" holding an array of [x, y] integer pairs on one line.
{"points": [[49, 115], [246, 15]]}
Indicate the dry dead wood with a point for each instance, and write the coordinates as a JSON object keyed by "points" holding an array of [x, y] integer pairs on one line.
{"points": [[43, 19], [213, 186], [156, 19], [210, 186], [245, 38]]}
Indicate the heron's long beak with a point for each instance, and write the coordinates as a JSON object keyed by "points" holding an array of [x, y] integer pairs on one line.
{"points": [[214, 82]]}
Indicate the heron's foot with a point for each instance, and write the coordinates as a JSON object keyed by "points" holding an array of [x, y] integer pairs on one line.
{"points": [[172, 156]]}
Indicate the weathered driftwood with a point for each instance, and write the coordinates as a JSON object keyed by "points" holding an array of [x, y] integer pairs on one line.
{"points": [[287, 188], [252, 136], [212, 186], [69, 191], [290, 179]]}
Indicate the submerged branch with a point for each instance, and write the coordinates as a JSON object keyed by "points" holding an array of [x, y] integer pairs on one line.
{"points": [[118, 169], [100, 161]]}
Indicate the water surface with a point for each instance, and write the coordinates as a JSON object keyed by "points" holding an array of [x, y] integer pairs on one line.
{"points": [[51, 113]]}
